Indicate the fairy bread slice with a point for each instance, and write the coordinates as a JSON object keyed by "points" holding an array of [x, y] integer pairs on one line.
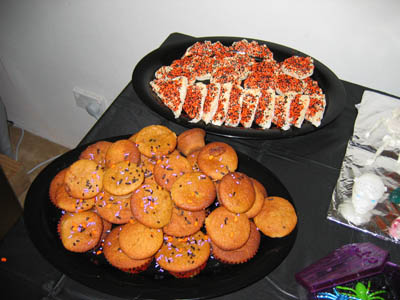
{"points": [[172, 92], [250, 99]]}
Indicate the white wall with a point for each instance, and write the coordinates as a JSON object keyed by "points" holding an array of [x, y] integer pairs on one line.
{"points": [[47, 47]]}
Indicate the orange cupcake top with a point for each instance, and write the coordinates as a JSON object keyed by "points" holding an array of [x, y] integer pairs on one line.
{"points": [[227, 230], [117, 258], [123, 178], [155, 141], [217, 159], [115, 209], [236, 192], [277, 217], [242, 254], [183, 254], [122, 150], [184, 222], [151, 205], [84, 179], [80, 232], [193, 191], [139, 241], [68, 203], [96, 152], [169, 168]]}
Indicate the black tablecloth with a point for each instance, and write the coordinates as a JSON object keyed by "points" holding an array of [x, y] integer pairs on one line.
{"points": [[307, 165]]}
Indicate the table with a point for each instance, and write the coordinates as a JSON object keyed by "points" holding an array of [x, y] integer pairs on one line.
{"points": [[307, 165]]}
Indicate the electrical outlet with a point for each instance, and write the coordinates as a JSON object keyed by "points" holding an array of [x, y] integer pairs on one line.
{"points": [[94, 104]]}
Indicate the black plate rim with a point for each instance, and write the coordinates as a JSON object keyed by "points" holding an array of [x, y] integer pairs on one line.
{"points": [[146, 67], [42, 239]]}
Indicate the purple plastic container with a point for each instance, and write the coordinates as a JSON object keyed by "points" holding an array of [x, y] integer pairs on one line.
{"points": [[351, 263]]}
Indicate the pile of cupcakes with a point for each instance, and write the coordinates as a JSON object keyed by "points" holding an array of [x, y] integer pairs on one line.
{"points": [[172, 200]]}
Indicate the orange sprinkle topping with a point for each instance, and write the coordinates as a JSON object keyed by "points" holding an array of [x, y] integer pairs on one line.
{"points": [[247, 64], [192, 101]]}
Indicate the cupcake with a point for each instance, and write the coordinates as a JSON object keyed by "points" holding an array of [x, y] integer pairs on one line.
{"points": [[80, 232], [191, 140], [123, 178], [184, 257], [115, 209], [217, 159], [68, 203], [117, 258], [277, 217], [226, 229], [184, 222], [242, 254], [84, 179], [122, 150], [169, 168], [236, 192], [139, 241], [193, 191], [96, 152], [155, 141], [151, 205]]}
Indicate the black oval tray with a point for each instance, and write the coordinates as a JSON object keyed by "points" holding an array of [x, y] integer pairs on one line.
{"points": [[327, 80], [41, 218]]}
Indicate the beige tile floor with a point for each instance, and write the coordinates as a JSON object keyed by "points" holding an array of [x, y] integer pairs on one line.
{"points": [[32, 151]]}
